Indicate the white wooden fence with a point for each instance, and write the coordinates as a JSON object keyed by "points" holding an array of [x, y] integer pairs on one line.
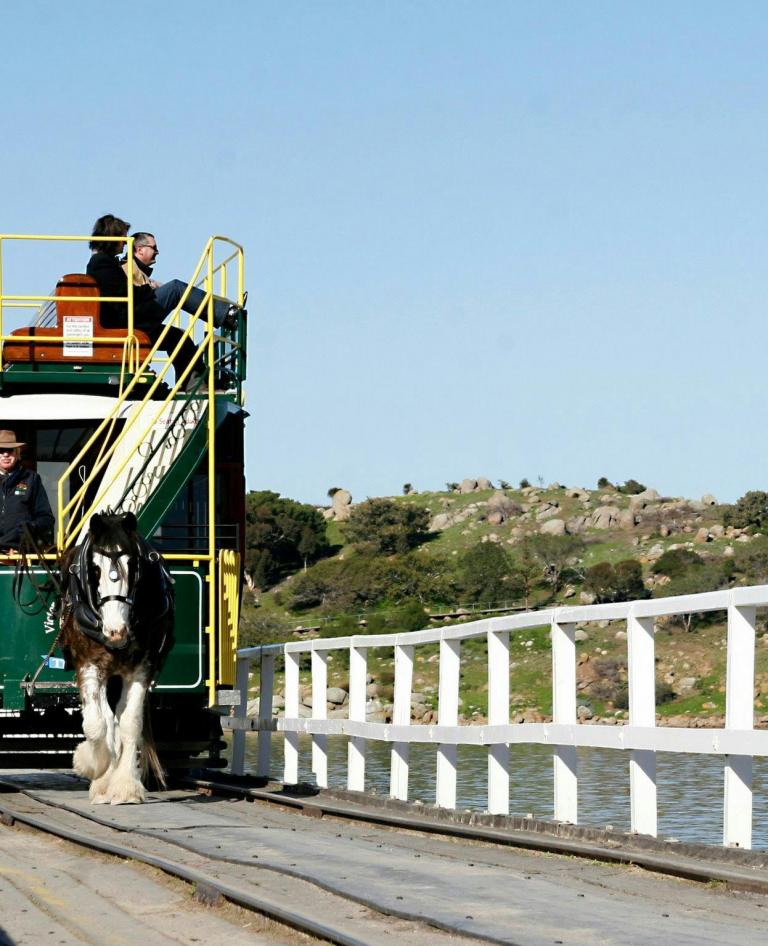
{"points": [[738, 742]]}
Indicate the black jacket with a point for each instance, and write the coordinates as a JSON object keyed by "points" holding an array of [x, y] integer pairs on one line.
{"points": [[112, 281], [23, 501]]}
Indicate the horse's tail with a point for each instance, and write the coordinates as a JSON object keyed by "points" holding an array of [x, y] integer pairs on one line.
{"points": [[150, 760]]}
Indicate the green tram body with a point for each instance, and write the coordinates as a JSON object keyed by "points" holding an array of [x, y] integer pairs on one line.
{"points": [[54, 408]]}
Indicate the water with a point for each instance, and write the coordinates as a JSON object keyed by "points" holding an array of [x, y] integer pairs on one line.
{"points": [[690, 787]]}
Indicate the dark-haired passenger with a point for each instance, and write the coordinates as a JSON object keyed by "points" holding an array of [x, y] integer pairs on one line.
{"points": [[152, 302]]}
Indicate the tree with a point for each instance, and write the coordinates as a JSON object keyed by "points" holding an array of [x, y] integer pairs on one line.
{"points": [[485, 574], [629, 580], [527, 571], [503, 484], [451, 487], [407, 489], [600, 580], [555, 553], [308, 544], [524, 483], [750, 510], [382, 526], [603, 483], [620, 582], [281, 536], [707, 577]]}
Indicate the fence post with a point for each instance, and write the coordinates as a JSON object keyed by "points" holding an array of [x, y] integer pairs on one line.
{"points": [[642, 712], [320, 711], [401, 716], [739, 714], [242, 675], [564, 712], [291, 766], [498, 715], [448, 715], [356, 747], [266, 688]]}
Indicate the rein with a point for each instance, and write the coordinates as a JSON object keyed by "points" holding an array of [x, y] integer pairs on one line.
{"points": [[24, 570]]}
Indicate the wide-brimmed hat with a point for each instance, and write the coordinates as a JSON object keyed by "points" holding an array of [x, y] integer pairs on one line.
{"points": [[8, 439]]}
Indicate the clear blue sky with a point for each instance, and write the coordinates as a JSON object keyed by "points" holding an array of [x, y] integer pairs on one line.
{"points": [[484, 238]]}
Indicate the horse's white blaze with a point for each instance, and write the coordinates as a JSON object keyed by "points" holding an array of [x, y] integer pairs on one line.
{"points": [[114, 580]]}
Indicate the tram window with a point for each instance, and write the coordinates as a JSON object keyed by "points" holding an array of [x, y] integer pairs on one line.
{"points": [[51, 447], [60, 443], [185, 526]]}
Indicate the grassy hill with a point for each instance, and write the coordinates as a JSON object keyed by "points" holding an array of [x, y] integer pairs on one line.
{"points": [[601, 525]]}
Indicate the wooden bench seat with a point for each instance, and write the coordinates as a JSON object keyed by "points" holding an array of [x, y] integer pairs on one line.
{"points": [[74, 321]]}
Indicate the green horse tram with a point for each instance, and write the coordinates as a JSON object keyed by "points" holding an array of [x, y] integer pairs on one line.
{"points": [[108, 424]]}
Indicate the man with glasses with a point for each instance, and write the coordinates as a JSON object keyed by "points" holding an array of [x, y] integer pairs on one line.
{"points": [[151, 301], [24, 504], [168, 295]]}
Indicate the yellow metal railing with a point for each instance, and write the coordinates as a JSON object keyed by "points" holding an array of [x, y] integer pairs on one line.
{"points": [[73, 515], [25, 301]]}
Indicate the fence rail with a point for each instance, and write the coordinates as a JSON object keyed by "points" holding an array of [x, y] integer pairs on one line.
{"points": [[738, 742]]}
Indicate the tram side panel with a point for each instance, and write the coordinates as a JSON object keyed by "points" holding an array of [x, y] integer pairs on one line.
{"points": [[30, 625]]}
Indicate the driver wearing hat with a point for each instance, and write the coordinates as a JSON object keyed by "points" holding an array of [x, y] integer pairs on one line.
{"points": [[23, 501]]}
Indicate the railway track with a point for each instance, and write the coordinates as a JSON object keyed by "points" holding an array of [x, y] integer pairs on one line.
{"points": [[282, 896], [345, 873]]}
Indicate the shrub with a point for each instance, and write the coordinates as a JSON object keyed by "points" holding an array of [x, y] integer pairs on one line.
{"points": [[632, 488], [407, 488], [524, 483], [750, 510], [382, 526], [751, 560], [676, 562], [503, 484], [411, 617], [258, 628], [361, 581], [603, 483], [451, 487], [376, 624]]}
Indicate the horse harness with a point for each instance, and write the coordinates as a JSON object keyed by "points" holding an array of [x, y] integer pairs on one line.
{"points": [[85, 603]]}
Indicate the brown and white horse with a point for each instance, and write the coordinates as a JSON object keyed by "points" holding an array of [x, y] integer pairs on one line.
{"points": [[116, 630]]}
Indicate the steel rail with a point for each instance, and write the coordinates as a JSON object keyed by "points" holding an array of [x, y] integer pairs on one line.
{"points": [[201, 881], [205, 883], [694, 866]]}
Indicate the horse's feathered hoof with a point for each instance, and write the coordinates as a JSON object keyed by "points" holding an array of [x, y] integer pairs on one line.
{"points": [[88, 763], [128, 793]]}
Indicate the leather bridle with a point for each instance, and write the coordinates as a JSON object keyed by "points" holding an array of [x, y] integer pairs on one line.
{"points": [[85, 602]]}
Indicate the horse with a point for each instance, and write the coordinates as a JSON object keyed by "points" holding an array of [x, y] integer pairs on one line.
{"points": [[116, 631]]}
